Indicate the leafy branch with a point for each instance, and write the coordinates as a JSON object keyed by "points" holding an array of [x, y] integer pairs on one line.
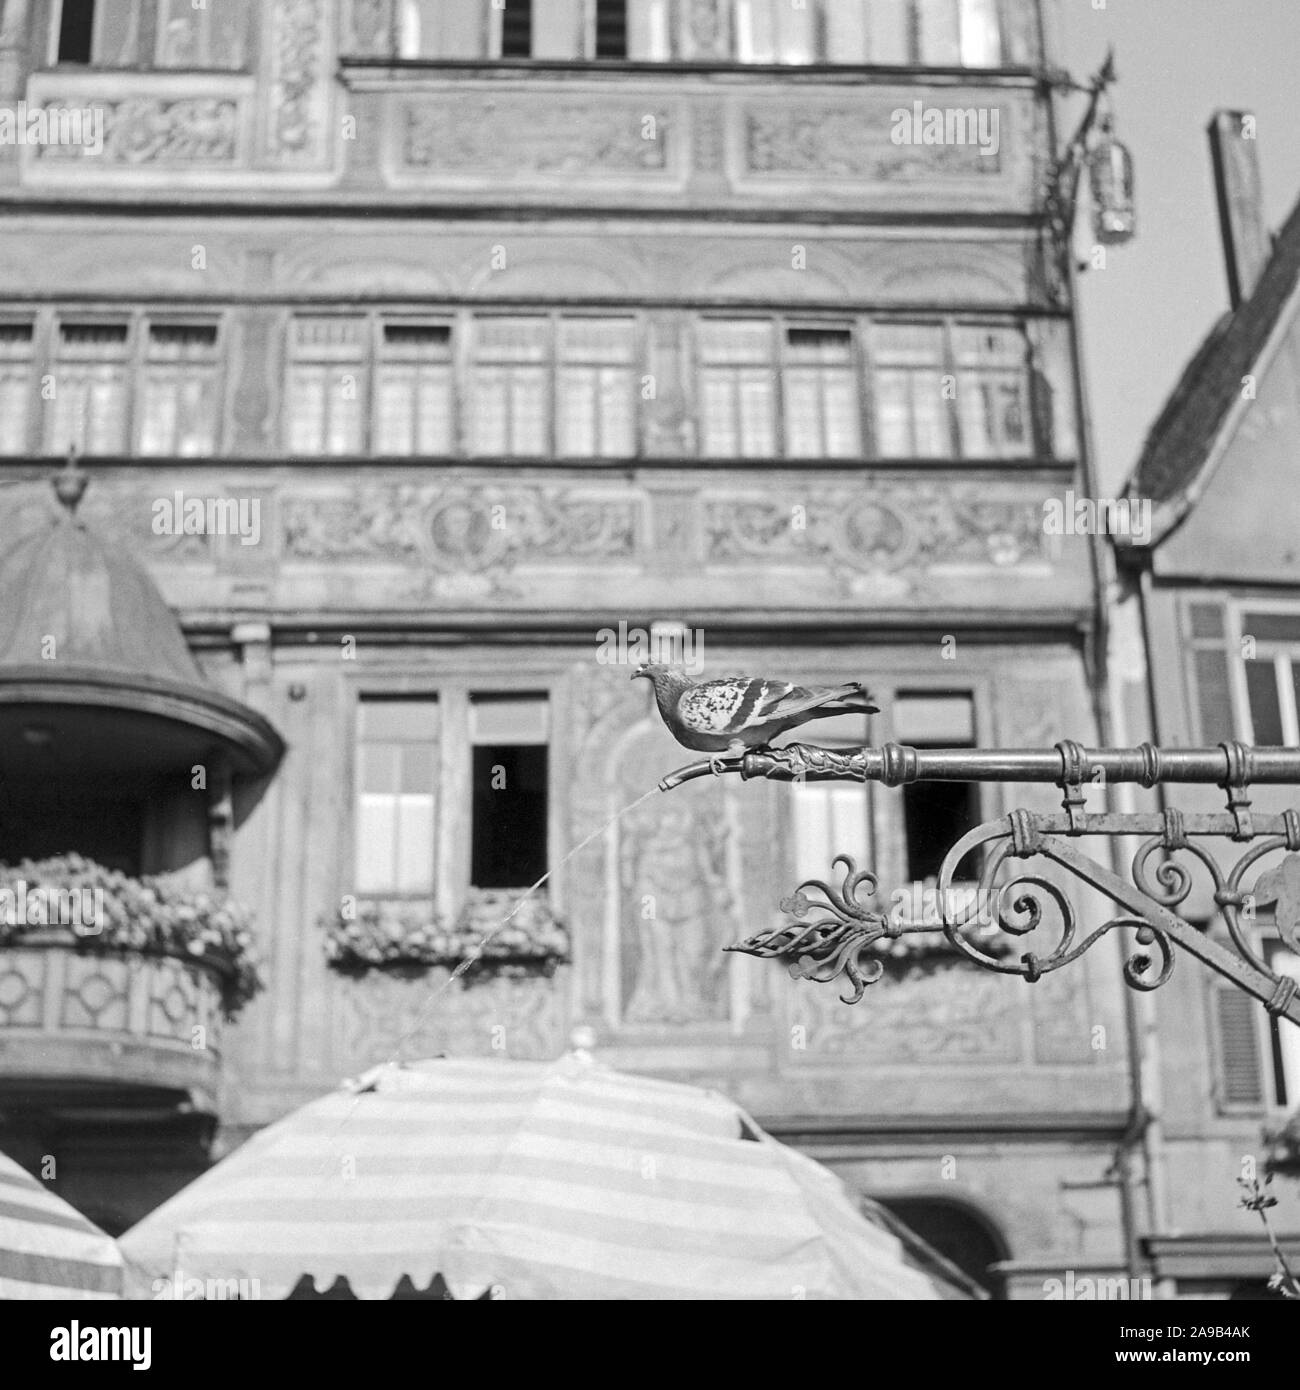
{"points": [[1258, 1198]]}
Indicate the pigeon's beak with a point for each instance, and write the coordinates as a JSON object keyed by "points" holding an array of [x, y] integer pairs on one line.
{"points": [[637, 674]]}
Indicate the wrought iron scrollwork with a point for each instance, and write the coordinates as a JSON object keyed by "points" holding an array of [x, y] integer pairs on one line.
{"points": [[1012, 902]]}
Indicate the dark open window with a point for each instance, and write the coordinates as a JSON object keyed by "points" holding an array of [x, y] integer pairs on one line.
{"points": [[517, 29], [611, 28], [76, 31], [935, 814], [509, 778]]}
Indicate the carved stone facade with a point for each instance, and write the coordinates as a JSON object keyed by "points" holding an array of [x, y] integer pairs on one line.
{"points": [[515, 134], [154, 130], [365, 188], [299, 39]]}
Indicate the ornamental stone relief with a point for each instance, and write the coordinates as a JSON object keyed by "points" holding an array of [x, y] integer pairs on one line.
{"points": [[370, 32], [298, 38], [382, 1017], [157, 130], [518, 133], [469, 530], [951, 1015], [677, 909], [884, 531], [854, 142]]}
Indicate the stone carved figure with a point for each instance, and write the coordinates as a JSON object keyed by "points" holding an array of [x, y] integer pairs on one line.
{"points": [[677, 914]]}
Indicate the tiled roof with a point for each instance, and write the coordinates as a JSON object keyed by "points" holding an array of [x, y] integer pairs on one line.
{"points": [[1183, 436]]}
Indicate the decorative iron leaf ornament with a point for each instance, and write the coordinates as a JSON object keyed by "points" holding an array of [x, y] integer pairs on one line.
{"points": [[1281, 886]]}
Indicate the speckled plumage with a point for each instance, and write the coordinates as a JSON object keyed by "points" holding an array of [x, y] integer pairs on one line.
{"points": [[734, 713]]}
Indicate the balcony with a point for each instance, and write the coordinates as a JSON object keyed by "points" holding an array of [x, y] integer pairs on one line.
{"points": [[114, 984]]}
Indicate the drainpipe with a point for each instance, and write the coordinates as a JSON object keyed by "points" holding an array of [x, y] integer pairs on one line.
{"points": [[1097, 659]]}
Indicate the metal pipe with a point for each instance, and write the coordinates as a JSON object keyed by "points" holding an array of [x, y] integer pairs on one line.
{"points": [[1068, 764]]}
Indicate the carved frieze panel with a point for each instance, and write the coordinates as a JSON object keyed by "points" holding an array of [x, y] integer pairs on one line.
{"points": [[383, 1017], [479, 532], [148, 129], [856, 141], [881, 531], [534, 134], [950, 1015]]}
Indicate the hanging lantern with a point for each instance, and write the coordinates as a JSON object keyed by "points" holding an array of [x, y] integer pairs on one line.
{"points": [[1110, 167]]}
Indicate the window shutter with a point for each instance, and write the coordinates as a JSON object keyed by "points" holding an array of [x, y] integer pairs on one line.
{"points": [[1209, 679], [1241, 1069]]}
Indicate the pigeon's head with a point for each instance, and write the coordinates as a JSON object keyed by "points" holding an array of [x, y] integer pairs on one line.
{"points": [[659, 672]]}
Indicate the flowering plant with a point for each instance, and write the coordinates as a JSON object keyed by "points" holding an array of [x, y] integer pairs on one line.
{"points": [[496, 932], [151, 916]]}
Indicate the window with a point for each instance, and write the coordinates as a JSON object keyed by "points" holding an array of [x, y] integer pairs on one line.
{"points": [[830, 818], [738, 388], [88, 408], [911, 418], [511, 385], [936, 383], [179, 398], [170, 33], [993, 392], [935, 814], [76, 31], [15, 385], [512, 29], [484, 751], [821, 396], [396, 792], [939, 33], [775, 31], [1272, 678], [208, 36], [509, 776], [326, 383], [611, 29], [649, 30], [413, 389], [597, 388]]}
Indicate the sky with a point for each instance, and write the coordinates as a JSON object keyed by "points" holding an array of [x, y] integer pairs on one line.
{"points": [[1178, 61]]}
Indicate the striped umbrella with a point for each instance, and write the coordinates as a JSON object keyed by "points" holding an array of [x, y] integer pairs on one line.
{"points": [[540, 1180], [47, 1248]]}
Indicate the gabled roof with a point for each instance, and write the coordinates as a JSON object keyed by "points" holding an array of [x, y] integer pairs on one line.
{"points": [[1181, 442]]}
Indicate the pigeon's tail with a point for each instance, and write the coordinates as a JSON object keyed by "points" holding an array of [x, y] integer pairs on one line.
{"points": [[852, 699]]}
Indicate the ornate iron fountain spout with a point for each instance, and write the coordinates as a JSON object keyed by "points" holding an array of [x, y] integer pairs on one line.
{"points": [[836, 934]]}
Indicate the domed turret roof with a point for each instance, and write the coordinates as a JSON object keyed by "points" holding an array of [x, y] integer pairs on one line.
{"points": [[95, 673], [72, 600]]}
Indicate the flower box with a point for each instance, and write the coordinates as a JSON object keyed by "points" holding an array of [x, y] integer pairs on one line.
{"points": [[497, 933]]}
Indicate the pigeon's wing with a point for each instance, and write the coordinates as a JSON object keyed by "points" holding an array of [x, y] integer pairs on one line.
{"points": [[741, 703]]}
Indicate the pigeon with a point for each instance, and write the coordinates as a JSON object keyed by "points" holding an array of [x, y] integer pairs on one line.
{"points": [[738, 713]]}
